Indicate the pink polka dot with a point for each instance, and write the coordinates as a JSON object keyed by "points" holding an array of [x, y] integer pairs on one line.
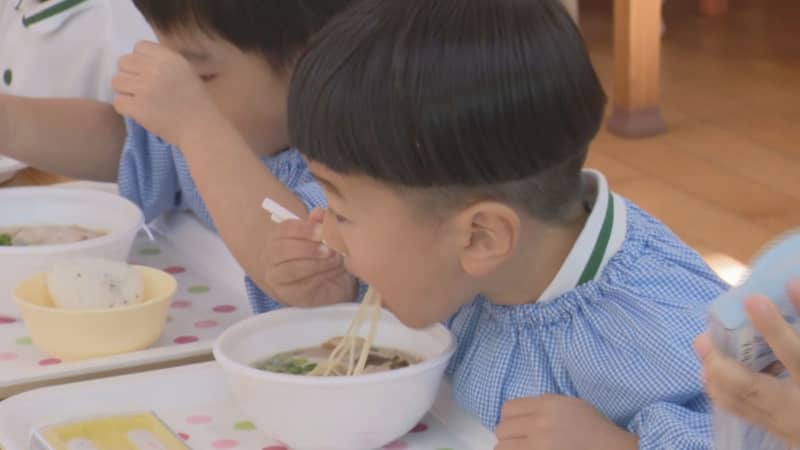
{"points": [[175, 270], [224, 309], [206, 324], [8, 356], [396, 445], [4, 320], [49, 362], [225, 443], [420, 428], [183, 436], [199, 419], [181, 304], [186, 339]]}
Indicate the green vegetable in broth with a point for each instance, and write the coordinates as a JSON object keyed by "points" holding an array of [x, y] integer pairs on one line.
{"points": [[5, 240], [287, 364]]}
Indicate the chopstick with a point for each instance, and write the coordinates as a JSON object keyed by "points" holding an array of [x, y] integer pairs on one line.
{"points": [[279, 212]]}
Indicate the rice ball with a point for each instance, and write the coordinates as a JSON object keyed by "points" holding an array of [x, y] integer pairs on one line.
{"points": [[89, 283]]}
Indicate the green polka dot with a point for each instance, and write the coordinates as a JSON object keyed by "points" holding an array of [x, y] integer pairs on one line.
{"points": [[150, 251], [24, 341], [8, 77], [199, 289], [244, 426]]}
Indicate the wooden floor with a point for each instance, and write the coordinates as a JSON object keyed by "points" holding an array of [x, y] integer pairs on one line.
{"points": [[726, 177]]}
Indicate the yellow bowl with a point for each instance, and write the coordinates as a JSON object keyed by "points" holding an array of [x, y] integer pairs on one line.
{"points": [[72, 334]]}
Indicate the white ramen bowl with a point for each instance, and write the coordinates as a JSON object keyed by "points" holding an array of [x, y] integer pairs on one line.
{"points": [[31, 206], [9, 168], [335, 413]]}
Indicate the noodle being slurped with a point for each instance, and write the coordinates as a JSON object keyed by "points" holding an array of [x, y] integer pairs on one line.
{"points": [[346, 355], [349, 345]]}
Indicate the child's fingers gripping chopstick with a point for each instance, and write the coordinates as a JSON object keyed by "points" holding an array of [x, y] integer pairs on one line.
{"points": [[294, 240], [311, 271]]}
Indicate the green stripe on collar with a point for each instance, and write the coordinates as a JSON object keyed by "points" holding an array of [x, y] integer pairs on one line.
{"points": [[600, 247], [51, 11]]}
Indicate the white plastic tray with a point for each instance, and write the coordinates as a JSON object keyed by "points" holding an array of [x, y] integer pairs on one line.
{"points": [[210, 298], [195, 403]]}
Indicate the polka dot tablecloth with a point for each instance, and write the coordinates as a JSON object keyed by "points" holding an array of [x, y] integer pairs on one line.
{"points": [[218, 426], [201, 310]]}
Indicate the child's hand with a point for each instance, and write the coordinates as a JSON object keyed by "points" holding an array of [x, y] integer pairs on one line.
{"points": [[759, 398], [301, 271], [554, 422], [158, 88]]}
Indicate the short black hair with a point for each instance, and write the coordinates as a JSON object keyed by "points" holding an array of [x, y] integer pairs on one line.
{"points": [[490, 98], [279, 29]]}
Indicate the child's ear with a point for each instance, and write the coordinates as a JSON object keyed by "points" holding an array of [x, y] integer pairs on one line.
{"points": [[491, 231]]}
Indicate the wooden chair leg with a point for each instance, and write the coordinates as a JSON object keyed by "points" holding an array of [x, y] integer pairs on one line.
{"points": [[637, 69]]}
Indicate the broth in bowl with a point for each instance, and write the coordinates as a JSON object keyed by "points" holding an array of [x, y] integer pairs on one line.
{"points": [[306, 361], [25, 236]]}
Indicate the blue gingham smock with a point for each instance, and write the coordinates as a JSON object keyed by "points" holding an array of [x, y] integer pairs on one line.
{"points": [[155, 176], [622, 342]]}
